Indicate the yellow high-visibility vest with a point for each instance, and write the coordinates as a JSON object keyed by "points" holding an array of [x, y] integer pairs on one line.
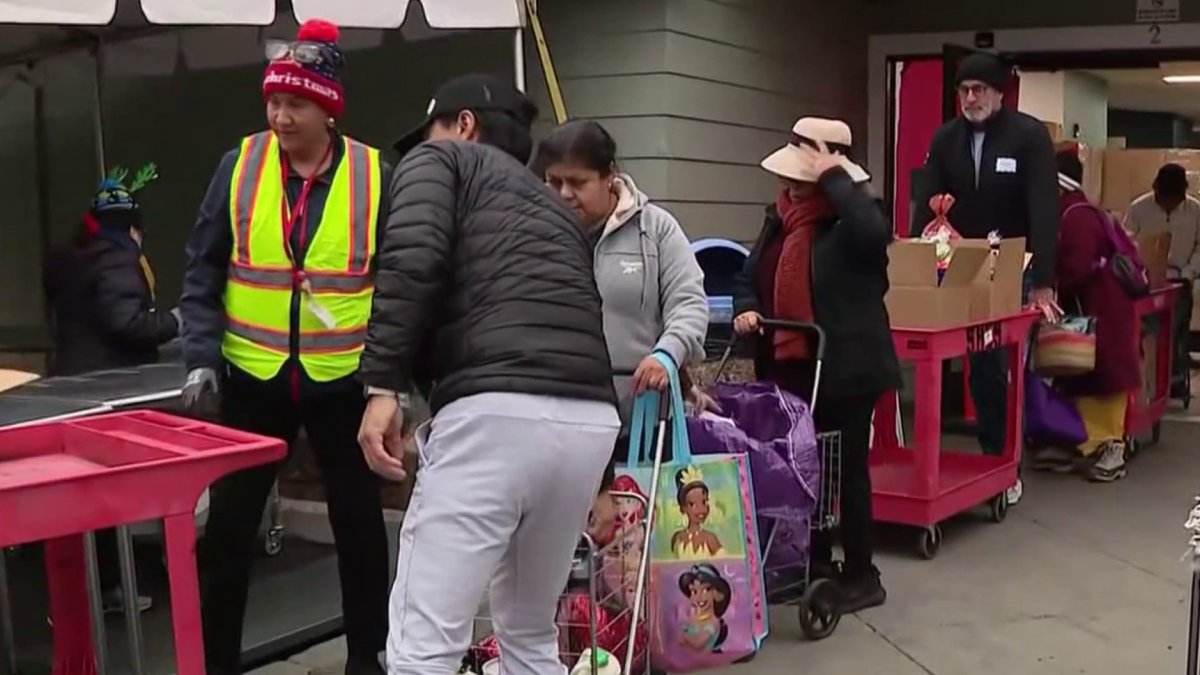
{"points": [[336, 272]]}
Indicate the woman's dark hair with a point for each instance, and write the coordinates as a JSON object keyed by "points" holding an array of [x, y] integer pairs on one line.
{"points": [[503, 130], [708, 575], [685, 486], [583, 142]]}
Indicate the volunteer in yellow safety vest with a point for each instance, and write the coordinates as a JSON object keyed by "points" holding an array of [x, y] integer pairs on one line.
{"points": [[275, 301]]}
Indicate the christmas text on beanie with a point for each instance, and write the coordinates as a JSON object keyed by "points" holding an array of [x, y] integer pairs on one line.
{"points": [[316, 81]]}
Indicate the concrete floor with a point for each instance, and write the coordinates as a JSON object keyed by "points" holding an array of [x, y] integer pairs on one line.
{"points": [[1080, 579]]}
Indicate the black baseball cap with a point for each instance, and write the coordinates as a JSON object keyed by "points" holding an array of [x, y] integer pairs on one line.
{"points": [[476, 91]]}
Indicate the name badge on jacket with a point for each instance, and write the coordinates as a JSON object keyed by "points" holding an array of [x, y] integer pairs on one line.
{"points": [[1006, 165]]}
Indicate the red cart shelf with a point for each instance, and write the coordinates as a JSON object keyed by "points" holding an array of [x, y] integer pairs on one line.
{"points": [[1142, 418], [60, 480], [923, 485]]}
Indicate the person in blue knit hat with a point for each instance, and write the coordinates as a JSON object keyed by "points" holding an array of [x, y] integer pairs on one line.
{"points": [[103, 315]]}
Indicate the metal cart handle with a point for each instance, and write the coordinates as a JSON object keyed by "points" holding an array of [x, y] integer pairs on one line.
{"points": [[796, 327]]}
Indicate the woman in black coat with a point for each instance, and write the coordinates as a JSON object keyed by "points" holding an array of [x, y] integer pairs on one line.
{"points": [[822, 258]]}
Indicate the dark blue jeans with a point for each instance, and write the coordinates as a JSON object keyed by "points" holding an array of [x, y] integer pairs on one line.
{"points": [[989, 390]]}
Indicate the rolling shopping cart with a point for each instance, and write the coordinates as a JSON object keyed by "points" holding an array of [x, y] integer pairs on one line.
{"points": [[814, 591]]}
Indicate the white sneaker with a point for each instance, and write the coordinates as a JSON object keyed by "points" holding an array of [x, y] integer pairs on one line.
{"points": [[1014, 493], [1110, 464]]}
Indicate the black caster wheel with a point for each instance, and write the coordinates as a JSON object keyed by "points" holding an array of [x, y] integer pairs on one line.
{"points": [[1156, 433], [746, 659], [274, 541], [999, 508], [820, 609], [929, 542]]}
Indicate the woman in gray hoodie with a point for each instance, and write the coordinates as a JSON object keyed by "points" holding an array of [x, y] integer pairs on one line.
{"points": [[651, 286], [649, 280]]}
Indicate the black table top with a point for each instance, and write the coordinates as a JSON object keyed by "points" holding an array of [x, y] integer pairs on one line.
{"points": [[57, 397]]}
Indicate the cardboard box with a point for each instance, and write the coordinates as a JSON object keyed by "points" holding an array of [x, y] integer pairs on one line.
{"points": [[916, 299], [1056, 131], [1093, 172], [1128, 174], [11, 379], [1155, 250], [996, 289]]}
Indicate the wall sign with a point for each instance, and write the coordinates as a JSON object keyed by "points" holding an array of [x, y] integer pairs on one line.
{"points": [[1157, 11]]}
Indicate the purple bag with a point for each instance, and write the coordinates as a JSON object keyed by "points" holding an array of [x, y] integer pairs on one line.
{"points": [[775, 429], [1051, 419]]}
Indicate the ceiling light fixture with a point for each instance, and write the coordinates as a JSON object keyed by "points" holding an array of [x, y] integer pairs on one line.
{"points": [[1181, 79]]}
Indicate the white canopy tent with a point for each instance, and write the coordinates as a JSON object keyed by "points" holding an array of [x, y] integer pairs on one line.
{"points": [[75, 73], [145, 37]]}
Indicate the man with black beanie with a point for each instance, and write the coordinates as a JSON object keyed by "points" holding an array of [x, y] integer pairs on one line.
{"points": [[999, 165]]}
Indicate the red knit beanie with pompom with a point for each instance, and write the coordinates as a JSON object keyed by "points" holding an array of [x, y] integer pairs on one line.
{"points": [[319, 83]]}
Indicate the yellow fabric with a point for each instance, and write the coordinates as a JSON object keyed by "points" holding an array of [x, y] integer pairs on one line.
{"points": [[1104, 419], [149, 274], [328, 251]]}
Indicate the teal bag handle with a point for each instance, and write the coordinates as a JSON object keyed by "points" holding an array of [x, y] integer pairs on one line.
{"points": [[645, 421]]}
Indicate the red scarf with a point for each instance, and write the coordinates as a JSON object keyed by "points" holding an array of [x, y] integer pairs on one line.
{"points": [[793, 276]]}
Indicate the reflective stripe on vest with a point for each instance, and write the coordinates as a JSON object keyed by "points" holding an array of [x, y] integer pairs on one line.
{"points": [[261, 281], [284, 278], [328, 341]]}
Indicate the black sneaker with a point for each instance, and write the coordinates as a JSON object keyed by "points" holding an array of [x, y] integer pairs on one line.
{"points": [[113, 601], [364, 664], [862, 593]]}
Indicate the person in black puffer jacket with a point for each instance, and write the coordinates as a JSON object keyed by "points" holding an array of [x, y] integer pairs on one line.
{"points": [[485, 301], [101, 308]]}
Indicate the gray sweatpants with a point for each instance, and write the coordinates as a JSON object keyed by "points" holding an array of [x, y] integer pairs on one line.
{"points": [[502, 496]]}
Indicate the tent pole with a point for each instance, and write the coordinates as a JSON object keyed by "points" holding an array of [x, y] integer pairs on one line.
{"points": [[98, 110], [519, 59]]}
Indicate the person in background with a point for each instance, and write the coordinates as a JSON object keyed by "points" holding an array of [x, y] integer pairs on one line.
{"points": [[1088, 286], [485, 301], [651, 286], [822, 258], [276, 297], [103, 314], [999, 166], [1169, 208], [101, 291]]}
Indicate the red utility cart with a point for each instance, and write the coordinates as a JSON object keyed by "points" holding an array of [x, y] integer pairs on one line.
{"points": [[1143, 416], [921, 485], [60, 480]]}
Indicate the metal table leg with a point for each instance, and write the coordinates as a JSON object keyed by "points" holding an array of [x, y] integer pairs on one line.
{"points": [[133, 614], [96, 604], [8, 643]]}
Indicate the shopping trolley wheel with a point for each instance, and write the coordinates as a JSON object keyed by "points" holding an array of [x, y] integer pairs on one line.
{"points": [[274, 542], [999, 508], [820, 610], [929, 542]]}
